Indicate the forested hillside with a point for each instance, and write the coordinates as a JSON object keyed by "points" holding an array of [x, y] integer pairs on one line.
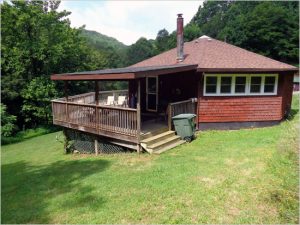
{"points": [[111, 47], [101, 41], [37, 41]]}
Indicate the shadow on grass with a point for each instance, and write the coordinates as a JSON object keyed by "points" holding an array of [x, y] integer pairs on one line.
{"points": [[27, 190]]}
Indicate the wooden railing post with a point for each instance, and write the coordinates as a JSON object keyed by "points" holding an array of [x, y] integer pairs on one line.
{"points": [[96, 104], [170, 116], [139, 115], [96, 117], [67, 98]]}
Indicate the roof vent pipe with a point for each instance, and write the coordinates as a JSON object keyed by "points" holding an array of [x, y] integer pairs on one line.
{"points": [[179, 38]]}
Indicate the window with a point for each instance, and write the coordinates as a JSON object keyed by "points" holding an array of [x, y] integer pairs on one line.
{"points": [[226, 84], [211, 84], [255, 84], [240, 84], [269, 84]]}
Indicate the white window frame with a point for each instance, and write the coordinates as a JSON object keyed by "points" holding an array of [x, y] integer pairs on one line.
{"points": [[247, 88]]}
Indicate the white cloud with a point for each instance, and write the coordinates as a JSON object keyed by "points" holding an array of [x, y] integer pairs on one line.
{"points": [[127, 21]]}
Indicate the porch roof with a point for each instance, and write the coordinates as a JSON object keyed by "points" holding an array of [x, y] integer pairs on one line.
{"points": [[126, 73]]}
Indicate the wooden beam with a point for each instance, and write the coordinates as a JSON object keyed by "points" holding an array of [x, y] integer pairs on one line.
{"points": [[121, 76], [166, 71]]}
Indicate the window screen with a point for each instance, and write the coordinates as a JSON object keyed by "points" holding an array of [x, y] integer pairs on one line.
{"points": [[211, 85], [255, 84], [226, 84], [269, 85], [240, 84]]}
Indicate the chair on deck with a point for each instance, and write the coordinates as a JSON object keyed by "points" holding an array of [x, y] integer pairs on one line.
{"points": [[121, 100], [110, 100]]}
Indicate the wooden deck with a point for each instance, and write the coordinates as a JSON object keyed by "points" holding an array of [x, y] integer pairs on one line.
{"points": [[119, 122]]}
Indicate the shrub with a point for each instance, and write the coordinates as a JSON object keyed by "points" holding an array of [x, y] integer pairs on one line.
{"points": [[7, 122]]}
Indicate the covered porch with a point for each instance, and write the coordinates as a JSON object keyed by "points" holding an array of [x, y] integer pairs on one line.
{"points": [[153, 96]]}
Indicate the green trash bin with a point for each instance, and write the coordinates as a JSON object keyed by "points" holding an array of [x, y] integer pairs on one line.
{"points": [[185, 126]]}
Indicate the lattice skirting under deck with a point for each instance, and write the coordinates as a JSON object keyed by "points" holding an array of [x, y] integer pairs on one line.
{"points": [[85, 143]]}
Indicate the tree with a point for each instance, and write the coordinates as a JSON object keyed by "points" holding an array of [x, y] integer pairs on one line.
{"points": [[191, 32], [7, 122], [36, 41], [140, 50], [161, 41], [37, 97]]}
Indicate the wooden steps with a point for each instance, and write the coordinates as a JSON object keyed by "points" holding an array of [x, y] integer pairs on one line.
{"points": [[153, 133], [161, 142]]}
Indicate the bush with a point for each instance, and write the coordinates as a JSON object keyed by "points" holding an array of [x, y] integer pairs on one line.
{"points": [[37, 101], [7, 122]]}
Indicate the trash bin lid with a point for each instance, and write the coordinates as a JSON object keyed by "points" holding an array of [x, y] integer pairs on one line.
{"points": [[184, 116]]}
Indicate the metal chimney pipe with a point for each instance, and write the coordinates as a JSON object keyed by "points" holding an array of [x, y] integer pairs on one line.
{"points": [[179, 38]]}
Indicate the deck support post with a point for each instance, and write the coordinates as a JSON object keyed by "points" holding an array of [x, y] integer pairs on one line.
{"points": [[96, 146], [138, 148], [139, 115]]}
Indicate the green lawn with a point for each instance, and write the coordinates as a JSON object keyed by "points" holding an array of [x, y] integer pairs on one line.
{"points": [[245, 176]]}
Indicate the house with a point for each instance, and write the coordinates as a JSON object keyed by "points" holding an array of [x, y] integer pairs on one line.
{"points": [[227, 87]]}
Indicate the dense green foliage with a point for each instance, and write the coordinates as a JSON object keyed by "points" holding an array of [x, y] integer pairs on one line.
{"points": [[7, 122], [37, 41], [110, 50], [101, 41], [248, 176], [37, 96], [140, 50]]}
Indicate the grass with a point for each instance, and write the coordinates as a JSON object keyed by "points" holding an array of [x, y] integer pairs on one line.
{"points": [[245, 176]]}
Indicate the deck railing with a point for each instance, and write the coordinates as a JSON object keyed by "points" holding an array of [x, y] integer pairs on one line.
{"points": [[89, 98], [80, 112], [176, 108]]}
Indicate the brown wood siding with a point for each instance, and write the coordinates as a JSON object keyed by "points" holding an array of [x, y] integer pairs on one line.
{"points": [[247, 108]]}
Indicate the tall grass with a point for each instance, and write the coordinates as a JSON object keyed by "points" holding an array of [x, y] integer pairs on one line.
{"points": [[29, 133]]}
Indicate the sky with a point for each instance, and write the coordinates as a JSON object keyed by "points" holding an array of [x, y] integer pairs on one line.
{"points": [[127, 21]]}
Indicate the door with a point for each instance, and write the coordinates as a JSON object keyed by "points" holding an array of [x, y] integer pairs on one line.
{"points": [[151, 93]]}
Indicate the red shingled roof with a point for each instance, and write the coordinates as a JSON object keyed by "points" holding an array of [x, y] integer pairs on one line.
{"points": [[214, 55]]}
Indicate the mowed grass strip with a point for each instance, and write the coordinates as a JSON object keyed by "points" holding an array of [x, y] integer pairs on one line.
{"points": [[245, 176]]}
